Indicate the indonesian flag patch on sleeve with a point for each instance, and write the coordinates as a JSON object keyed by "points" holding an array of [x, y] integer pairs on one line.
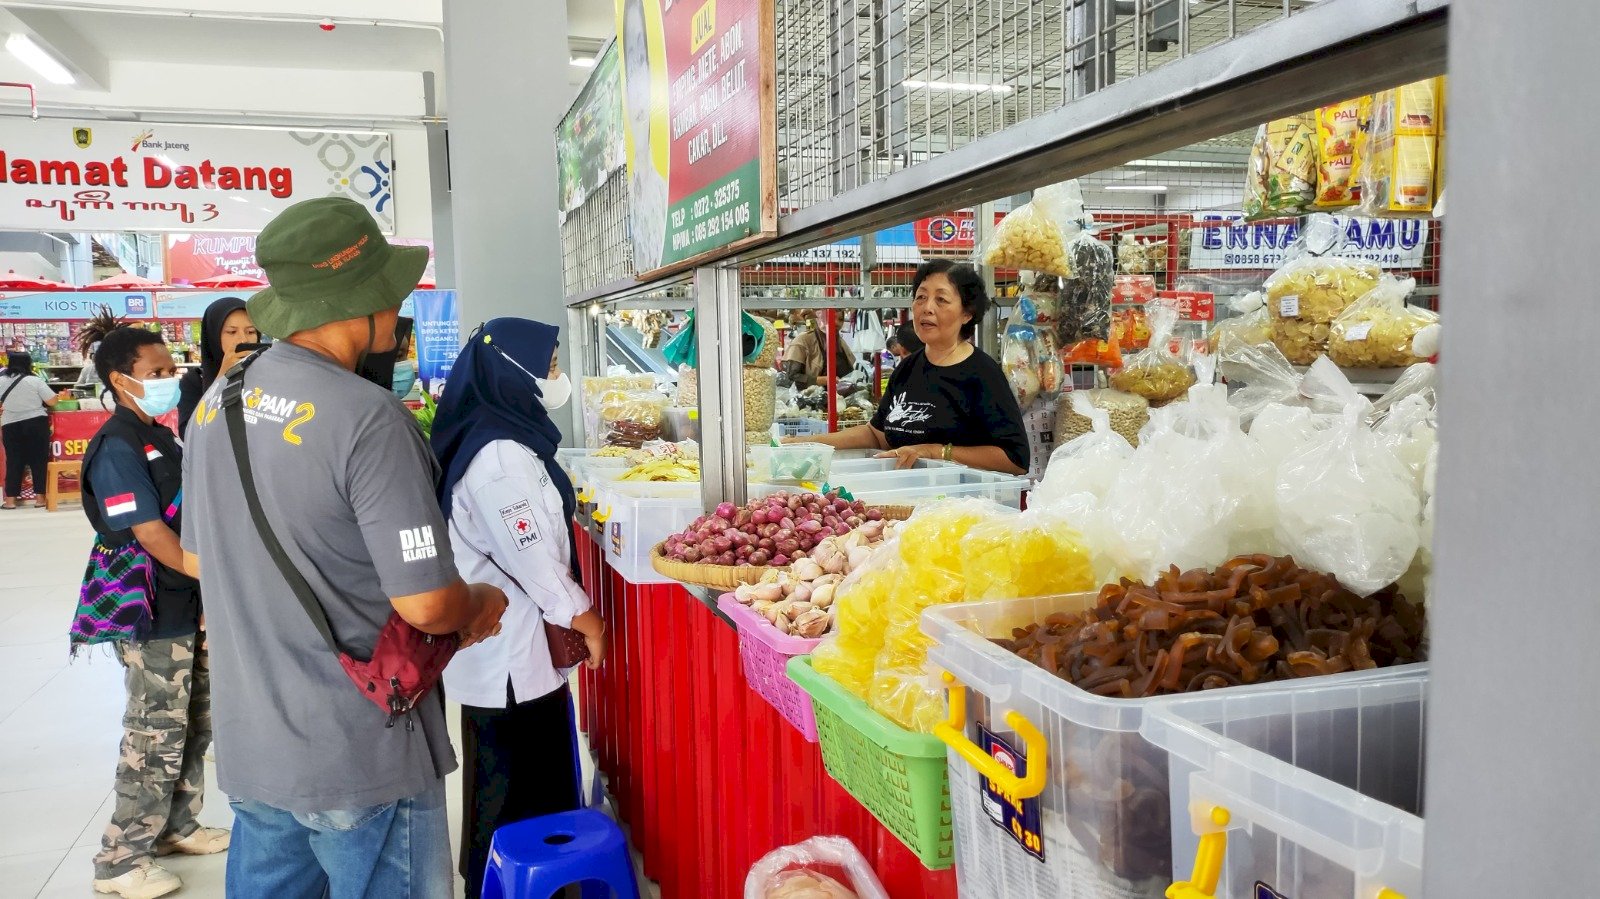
{"points": [[121, 504], [151, 453]]}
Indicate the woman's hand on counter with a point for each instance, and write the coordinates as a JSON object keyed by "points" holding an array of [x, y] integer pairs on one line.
{"points": [[907, 456]]}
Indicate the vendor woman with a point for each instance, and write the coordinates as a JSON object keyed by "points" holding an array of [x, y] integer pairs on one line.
{"points": [[948, 400]]}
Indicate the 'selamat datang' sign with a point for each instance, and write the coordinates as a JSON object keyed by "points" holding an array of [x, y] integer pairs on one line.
{"points": [[134, 176]]}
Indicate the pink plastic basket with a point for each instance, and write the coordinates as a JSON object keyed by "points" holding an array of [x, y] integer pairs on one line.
{"points": [[765, 654]]}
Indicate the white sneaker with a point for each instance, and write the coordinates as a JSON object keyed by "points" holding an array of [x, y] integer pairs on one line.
{"points": [[144, 882], [205, 841]]}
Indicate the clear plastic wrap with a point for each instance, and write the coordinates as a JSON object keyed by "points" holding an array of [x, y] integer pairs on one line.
{"points": [[760, 397], [1408, 430], [1128, 413], [1156, 373], [1195, 493], [1033, 237], [767, 357], [1250, 324], [1038, 552], [1085, 464], [631, 418], [1084, 311], [1282, 179], [1262, 376], [1306, 295], [1346, 505], [818, 868], [1052, 372], [1377, 330], [1019, 353], [1421, 380], [688, 393]]}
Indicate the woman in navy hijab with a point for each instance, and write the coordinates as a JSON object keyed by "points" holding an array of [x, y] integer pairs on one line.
{"points": [[510, 508]]}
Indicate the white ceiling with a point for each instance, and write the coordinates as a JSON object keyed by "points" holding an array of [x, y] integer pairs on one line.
{"points": [[227, 60]]}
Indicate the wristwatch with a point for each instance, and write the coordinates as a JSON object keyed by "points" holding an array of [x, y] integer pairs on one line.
{"points": [[948, 449]]}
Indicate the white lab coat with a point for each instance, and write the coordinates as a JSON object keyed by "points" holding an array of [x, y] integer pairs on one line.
{"points": [[505, 507]]}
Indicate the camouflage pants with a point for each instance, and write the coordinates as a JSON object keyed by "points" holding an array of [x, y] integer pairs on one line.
{"points": [[165, 733]]}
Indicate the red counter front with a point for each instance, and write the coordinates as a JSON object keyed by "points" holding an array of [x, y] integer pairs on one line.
{"points": [[70, 433], [707, 775]]}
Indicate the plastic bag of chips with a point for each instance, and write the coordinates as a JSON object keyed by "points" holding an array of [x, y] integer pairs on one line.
{"points": [[1156, 373], [1306, 295], [1377, 331], [1033, 237]]}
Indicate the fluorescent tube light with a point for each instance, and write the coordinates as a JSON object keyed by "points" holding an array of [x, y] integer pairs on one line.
{"points": [[34, 57], [963, 87], [583, 62], [1141, 188]]}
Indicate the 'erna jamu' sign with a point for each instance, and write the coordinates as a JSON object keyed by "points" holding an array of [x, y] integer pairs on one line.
{"points": [[1223, 240], [134, 176]]}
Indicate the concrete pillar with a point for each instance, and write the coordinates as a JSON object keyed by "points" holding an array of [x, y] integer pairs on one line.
{"points": [[1512, 729], [506, 88]]}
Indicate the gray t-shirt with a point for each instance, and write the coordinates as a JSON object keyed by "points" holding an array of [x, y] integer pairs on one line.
{"points": [[26, 401], [346, 481]]}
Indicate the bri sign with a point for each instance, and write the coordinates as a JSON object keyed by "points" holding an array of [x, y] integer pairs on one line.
{"points": [[133, 176], [1223, 240]]}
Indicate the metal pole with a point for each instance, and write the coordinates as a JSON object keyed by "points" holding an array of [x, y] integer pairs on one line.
{"points": [[719, 338]]}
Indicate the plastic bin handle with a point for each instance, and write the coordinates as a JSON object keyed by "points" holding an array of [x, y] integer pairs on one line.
{"points": [[953, 733], [602, 517], [1202, 884], [585, 493]]}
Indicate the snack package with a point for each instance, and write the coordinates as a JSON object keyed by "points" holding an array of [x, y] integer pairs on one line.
{"points": [[1052, 373], [1156, 373], [1250, 324], [818, 868], [1282, 179], [1377, 330], [760, 397], [688, 393], [1346, 505], [1086, 463], [1131, 327], [1033, 237], [767, 356], [1339, 140], [1399, 159], [1021, 365], [1084, 311], [1306, 295], [631, 418]]}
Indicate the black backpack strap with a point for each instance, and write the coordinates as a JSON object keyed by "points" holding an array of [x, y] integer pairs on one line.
{"points": [[233, 413]]}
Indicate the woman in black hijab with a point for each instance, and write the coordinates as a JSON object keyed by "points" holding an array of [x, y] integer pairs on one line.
{"points": [[225, 326]]}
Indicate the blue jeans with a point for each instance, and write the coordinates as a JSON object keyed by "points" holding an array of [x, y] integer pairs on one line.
{"points": [[396, 851]]}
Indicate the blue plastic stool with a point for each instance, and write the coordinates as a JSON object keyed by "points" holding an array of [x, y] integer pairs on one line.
{"points": [[534, 859]]}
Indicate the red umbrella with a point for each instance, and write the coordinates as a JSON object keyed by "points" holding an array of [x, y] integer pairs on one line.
{"points": [[228, 282], [11, 281], [125, 281]]}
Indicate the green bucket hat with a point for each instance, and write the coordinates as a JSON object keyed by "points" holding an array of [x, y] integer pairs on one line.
{"points": [[327, 261]]}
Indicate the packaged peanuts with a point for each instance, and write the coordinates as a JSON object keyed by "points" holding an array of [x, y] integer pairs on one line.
{"points": [[1034, 236]]}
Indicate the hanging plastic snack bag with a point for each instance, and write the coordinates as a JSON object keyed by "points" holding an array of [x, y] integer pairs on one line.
{"points": [[1052, 373], [1045, 292], [1019, 361], [1400, 156], [1339, 141], [1156, 373], [818, 868], [1347, 506], [1088, 463], [1085, 311], [1033, 237], [1282, 179], [1250, 324], [1307, 294], [1377, 330]]}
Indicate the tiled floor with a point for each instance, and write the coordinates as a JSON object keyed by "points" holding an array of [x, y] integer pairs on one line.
{"points": [[60, 722]]}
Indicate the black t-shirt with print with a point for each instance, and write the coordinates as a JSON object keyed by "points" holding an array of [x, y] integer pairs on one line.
{"points": [[966, 404]]}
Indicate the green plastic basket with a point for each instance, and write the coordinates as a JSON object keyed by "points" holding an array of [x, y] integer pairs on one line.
{"points": [[901, 777]]}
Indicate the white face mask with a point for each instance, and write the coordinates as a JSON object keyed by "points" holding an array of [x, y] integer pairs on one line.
{"points": [[556, 391]]}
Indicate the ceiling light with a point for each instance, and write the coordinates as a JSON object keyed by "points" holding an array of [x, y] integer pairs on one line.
{"points": [[32, 55], [1141, 188], [583, 62], [963, 87]]}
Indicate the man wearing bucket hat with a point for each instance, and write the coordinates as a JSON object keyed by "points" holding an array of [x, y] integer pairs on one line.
{"points": [[329, 792]]}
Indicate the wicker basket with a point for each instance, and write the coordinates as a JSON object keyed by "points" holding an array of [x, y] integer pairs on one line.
{"points": [[717, 577]]}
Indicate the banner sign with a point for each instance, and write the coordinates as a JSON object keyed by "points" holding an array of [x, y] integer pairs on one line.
{"points": [[133, 176], [589, 139], [1231, 243], [70, 432], [438, 334], [191, 304], [897, 245], [195, 257], [73, 305], [698, 125]]}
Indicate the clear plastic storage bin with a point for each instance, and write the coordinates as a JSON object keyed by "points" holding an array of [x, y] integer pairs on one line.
{"points": [[1105, 811], [1320, 787], [634, 517]]}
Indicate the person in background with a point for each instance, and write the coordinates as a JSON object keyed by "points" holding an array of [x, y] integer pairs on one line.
{"points": [[805, 360], [133, 493], [951, 400], [225, 325], [331, 795], [510, 507], [25, 403], [904, 341], [405, 367]]}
